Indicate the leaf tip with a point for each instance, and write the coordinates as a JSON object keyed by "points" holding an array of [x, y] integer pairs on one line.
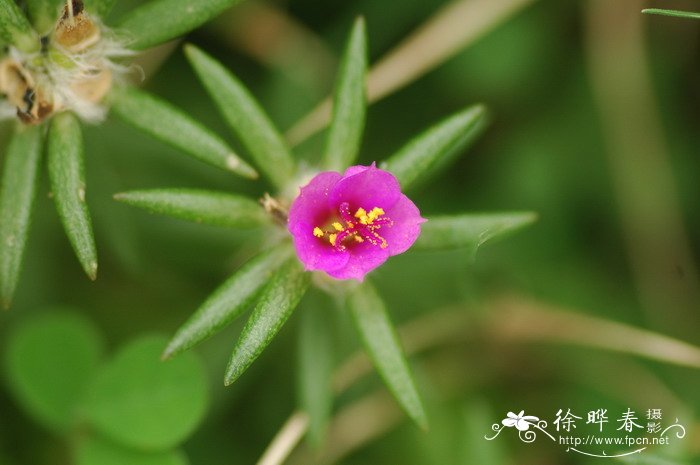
{"points": [[235, 164], [91, 270], [190, 50], [170, 351]]}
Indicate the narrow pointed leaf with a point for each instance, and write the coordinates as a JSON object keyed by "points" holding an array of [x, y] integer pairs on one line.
{"points": [[158, 21], [436, 147], [17, 193], [173, 126], [676, 13], [245, 117], [382, 345], [229, 301], [199, 206], [44, 13], [469, 230], [15, 28], [277, 302], [315, 369], [67, 175], [349, 103], [100, 8]]}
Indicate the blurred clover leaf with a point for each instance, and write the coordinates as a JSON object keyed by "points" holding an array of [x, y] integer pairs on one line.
{"points": [[61, 64], [144, 403], [51, 360], [138, 408], [94, 450], [274, 281]]}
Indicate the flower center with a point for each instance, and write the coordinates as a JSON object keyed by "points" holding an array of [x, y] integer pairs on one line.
{"points": [[359, 227]]}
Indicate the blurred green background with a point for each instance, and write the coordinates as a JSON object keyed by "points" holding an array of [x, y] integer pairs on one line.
{"points": [[596, 110]]}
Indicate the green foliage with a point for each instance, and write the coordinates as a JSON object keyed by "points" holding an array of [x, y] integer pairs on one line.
{"points": [[276, 304], [144, 403], [19, 185], [50, 362], [100, 7], [315, 369], [199, 206], [67, 175], [44, 13], [15, 28], [158, 21], [245, 117], [143, 406], [95, 450], [676, 13], [349, 104], [384, 349], [469, 230], [229, 301], [171, 125], [436, 147]]}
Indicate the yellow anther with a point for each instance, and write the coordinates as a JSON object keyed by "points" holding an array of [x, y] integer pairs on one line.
{"points": [[375, 213], [360, 213], [318, 232], [338, 226], [358, 239], [332, 238]]}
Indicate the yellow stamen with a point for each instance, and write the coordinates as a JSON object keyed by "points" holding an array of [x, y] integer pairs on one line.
{"points": [[332, 238], [375, 213], [360, 213], [338, 227], [358, 239], [318, 232]]}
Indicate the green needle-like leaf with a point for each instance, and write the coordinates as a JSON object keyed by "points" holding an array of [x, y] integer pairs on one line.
{"points": [[245, 117], [173, 126], [229, 301], [315, 369], [144, 403], [199, 206], [15, 28], [161, 20], [99, 7], [17, 193], [67, 175], [469, 230], [676, 13], [349, 103], [44, 13], [51, 360], [381, 342], [277, 302], [436, 147]]}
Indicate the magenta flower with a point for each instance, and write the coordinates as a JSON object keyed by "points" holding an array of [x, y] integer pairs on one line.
{"points": [[349, 224]]}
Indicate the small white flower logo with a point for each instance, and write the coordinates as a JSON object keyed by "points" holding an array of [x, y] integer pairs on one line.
{"points": [[520, 421]]}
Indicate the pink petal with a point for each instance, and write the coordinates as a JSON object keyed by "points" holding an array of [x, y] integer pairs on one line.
{"points": [[311, 206], [315, 253], [363, 258], [406, 225], [368, 188]]}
